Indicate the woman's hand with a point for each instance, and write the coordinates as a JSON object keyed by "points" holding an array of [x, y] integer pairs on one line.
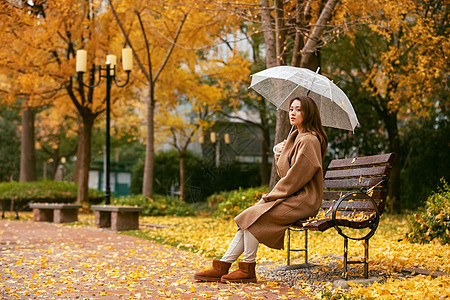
{"points": [[279, 147], [260, 202]]}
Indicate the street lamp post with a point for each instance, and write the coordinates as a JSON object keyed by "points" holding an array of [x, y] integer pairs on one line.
{"points": [[108, 72], [215, 139]]}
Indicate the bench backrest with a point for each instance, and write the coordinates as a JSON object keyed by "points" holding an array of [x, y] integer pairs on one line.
{"points": [[350, 175]]}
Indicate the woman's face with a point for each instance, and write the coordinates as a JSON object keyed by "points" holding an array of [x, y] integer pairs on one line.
{"points": [[295, 114]]}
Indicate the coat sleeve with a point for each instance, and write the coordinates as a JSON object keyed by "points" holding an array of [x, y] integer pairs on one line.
{"points": [[307, 163]]}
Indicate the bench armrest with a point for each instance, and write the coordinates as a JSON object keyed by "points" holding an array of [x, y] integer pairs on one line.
{"points": [[372, 223]]}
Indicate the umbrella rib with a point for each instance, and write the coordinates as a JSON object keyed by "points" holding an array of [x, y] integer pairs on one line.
{"points": [[312, 82], [284, 100], [277, 82]]}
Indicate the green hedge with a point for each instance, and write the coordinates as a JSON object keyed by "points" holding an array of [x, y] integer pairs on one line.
{"points": [[43, 191], [230, 204], [432, 223], [158, 205]]}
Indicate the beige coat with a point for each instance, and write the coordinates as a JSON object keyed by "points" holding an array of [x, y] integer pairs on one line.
{"points": [[297, 195]]}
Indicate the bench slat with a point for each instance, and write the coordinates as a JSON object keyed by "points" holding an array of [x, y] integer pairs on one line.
{"points": [[355, 205], [352, 182], [324, 224], [345, 213], [334, 195], [362, 161], [319, 225], [367, 172]]}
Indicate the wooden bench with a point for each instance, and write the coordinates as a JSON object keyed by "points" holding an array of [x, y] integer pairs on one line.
{"points": [[55, 212], [117, 218], [355, 191]]}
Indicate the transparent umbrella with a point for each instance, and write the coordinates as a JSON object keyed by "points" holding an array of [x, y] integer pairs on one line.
{"points": [[280, 84]]}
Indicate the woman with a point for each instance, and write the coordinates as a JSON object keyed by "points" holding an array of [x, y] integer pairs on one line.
{"points": [[297, 195]]}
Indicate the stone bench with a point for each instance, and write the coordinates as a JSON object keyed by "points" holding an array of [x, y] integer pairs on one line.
{"points": [[117, 218], [55, 212]]}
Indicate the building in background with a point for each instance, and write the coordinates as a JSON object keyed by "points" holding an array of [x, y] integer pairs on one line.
{"points": [[120, 177]]}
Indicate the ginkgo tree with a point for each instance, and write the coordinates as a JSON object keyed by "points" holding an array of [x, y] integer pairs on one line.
{"points": [[165, 37], [397, 61], [294, 32], [42, 65], [56, 135], [27, 84], [200, 92]]}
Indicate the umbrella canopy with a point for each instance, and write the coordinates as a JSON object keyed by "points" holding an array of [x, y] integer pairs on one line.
{"points": [[280, 84]]}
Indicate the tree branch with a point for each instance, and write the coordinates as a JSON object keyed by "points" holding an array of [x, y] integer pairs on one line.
{"points": [[147, 46], [241, 119], [136, 57], [314, 38], [177, 34]]}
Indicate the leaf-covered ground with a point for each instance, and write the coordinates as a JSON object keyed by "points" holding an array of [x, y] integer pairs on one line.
{"points": [[389, 253], [98, 263], [40, 260]]}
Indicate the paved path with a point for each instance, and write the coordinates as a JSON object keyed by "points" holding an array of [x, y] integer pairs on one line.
{"points": [[40, 260]]}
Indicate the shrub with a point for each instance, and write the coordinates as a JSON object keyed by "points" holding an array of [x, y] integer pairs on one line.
{"points": [[216, 199], [236, 201], [43, 191], [433, 223], [157, 206], [203, 178]]}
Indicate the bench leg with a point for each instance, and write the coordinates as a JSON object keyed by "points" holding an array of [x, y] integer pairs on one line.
{"points": [[42, 215], [366, 258], [345, 257], [14, 206], [306, 246], [288, 258], [17, 209], [289, 250], [65, 215], [365, 261], [102, 219], [124, 221]]}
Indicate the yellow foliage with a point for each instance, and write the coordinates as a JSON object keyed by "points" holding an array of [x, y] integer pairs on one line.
{"points": [[419, 287], [414, 62], [211, 237]]}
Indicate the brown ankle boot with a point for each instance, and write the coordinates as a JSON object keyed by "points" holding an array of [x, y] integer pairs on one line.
{"points": [[219, 268], [245, 273]]}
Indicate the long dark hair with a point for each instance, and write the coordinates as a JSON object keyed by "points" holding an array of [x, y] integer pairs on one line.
{"points": [[312, 121]]}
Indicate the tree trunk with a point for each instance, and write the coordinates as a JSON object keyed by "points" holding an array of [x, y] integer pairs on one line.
{"points": [[182, 155], [307, 60], [390, 119], [311, 44], [78, 154], [269, 38], [55, 157], [147, 186], [266, 151], [84, 158], [271, 61], [27, 149], [282, 118], [280, 33], [299, 40]]}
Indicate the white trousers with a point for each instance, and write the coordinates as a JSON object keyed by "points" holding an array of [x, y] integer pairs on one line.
{"points": [[243, 242]]}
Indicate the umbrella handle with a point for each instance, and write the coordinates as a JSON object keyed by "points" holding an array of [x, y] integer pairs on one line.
{"points": [[275, 150], [274, 147], [290, 131]]}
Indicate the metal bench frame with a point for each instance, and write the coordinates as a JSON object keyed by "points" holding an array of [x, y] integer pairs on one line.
{"points": [[334, 222]]}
